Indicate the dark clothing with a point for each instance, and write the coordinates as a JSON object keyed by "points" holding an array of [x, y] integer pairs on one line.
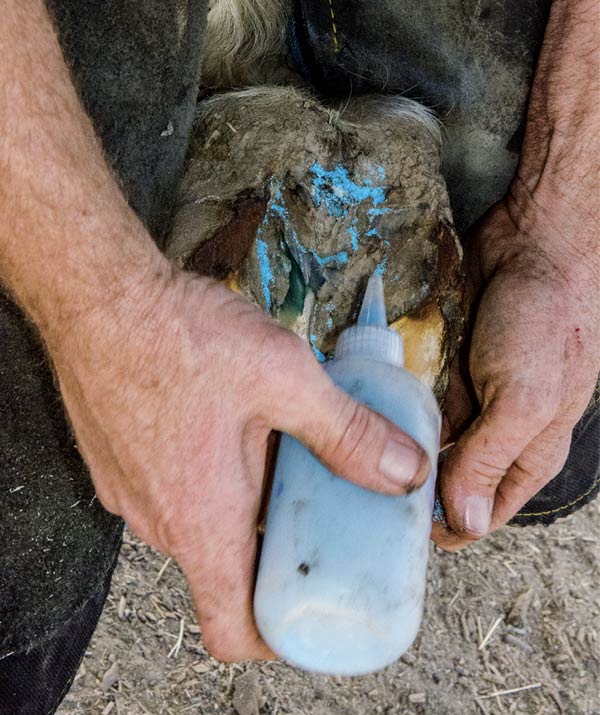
{"points": [[34, 682], [472, 61], [136, 66]]}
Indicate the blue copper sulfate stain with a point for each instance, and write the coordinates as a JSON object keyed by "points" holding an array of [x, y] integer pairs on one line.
{"points": [[318, 354], [266, 274], [338, 192]]}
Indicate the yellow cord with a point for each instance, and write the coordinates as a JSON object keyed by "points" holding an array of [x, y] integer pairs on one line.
{"points": [[336, 43], [565, 506]]}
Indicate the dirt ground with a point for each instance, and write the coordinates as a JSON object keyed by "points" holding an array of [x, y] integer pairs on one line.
{"points": [[520, 610]]}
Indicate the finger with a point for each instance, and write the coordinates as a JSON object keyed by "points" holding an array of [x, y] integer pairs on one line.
{"points": [[483, 455], [353, 441], [219, 567], [541, 461], [224, 614]]}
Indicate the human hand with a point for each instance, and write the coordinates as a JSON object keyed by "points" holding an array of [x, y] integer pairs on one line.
{"points": [[534, 360], [172, 394]]}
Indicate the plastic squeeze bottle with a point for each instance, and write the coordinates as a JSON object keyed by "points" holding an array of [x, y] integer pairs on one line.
{"points": [[341, 578]]}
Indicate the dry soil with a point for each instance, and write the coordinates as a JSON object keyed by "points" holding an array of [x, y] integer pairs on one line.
{"points": [[518, 611]]}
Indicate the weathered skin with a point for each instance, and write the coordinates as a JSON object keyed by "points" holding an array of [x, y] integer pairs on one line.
{"points": [[296, 205]]}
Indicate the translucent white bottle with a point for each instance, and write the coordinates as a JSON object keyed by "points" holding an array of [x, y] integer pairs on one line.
{"points": [[341, 578]]}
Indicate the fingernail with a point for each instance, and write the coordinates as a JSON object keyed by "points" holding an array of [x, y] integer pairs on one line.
{"points": [[478, 514], [401, 462]]}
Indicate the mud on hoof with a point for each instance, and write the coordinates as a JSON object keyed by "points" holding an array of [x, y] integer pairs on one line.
{"points": [[296, 204]]}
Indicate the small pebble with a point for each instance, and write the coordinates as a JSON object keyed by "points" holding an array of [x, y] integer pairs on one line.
{"points": [[201, 668], [247, 693], [110, 677], [417, 698]]}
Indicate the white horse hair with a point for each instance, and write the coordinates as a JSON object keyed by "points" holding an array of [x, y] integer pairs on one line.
{"points": [[359, 111], [240, 36]]}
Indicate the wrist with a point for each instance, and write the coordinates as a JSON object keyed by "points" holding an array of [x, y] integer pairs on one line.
{"points": [[547, 221], [100, 307], [553, 200]]}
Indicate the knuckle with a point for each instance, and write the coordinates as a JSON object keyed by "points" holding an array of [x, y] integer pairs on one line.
{"points": [[282, 354], [486, 473], [356, 433], [279, 347], [482, 469]]}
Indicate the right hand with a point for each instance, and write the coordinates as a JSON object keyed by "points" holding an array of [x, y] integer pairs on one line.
{"points": [[173, 390]]}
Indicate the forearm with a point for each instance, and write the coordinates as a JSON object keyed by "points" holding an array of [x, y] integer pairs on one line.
{"points": [[69, 243], [559, 172]]}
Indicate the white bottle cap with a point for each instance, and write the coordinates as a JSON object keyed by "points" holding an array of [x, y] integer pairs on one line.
{"points": [[370, 337]]}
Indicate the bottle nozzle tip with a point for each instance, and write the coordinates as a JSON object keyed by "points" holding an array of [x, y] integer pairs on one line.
{"points": [[371, 338], [372, 311]]}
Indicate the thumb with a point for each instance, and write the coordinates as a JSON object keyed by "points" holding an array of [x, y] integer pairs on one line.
{"points": [[352, 440], [481, 458]]}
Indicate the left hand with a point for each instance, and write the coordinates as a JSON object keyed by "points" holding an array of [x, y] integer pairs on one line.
{"points": [[534, 360]]}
